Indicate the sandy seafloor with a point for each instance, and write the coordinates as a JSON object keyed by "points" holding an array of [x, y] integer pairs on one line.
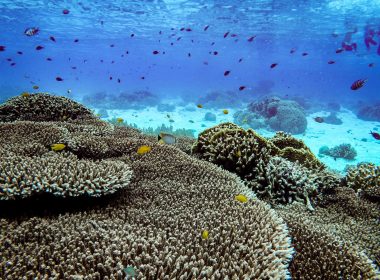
{"points": [[352, 131]]}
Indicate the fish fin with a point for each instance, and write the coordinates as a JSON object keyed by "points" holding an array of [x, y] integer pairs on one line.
{"points": [[161, 141], [159, 137]]}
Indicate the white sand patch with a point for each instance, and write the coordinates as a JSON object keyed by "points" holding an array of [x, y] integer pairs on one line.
{"points": [[352, 131]]}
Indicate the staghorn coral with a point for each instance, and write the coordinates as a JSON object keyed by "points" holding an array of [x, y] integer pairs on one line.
{"points": [[364, 177], [42, 107], [61, 175], [155, 226], [286, 182]]}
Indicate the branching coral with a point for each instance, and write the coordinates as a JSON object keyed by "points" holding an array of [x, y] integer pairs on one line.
{"points": [[61, 175], [42, 107], [365, 177]]}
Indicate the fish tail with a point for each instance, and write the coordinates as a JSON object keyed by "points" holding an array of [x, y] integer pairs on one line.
{"points": [[159, 137]]}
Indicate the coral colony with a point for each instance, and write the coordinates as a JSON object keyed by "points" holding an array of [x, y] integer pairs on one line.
{"points": [[82, 198]]}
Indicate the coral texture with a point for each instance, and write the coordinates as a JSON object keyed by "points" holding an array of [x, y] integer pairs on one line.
{"points": [[345, 151], [61, 175], [42, 107], [365, 177], [155, 226], [283, 115]]}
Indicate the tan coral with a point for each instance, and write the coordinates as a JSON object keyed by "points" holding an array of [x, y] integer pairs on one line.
{"points": [[155, 226], [43, 107], [364, 177], [61, 175]]}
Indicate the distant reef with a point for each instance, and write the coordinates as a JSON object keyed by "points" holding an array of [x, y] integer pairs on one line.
{"points": [[96, 208], [274, 112], [370, 112]]}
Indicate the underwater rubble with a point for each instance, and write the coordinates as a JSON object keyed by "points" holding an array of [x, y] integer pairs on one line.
{"points": [[149, 211]]}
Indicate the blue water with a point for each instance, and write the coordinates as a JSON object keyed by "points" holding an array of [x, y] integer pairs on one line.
{"points": [[277, 25]]}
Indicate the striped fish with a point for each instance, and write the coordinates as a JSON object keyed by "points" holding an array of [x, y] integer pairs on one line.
{"points": [[31, 31], [358, 84]]}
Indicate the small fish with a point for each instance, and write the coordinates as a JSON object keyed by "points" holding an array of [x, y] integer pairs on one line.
{"points": [[225, 111], [65, 11], [52, 39], [227, 72], [142, 78], [31, 31], [120, 120], [166, 138], [205, 234], [25, 94], [38, 48], [241, 198], [57, 147], [238, 153], [69, 91], [358, 84], [375, 135], [130, 271], [182, 29], [179, 38], [250, 39], [9, 59], [112, 45], [233, 35], [2, 48], [111, 78], [48, 59], [188, 29], [118, 80], [36, 87], [74, 67], [339, 50], [20, 53], [215, 53], [242, 88], [319, 119], [273, 65], [76, 40], [156, 52], [59, 79], [200, 106], [189, 54], [305, 54], [293, 50], [191, 121], [132, 35], [143, 149], [13, 64], [240, 60], [330, 62], [226, 34], [206, 27], [371, 65]]}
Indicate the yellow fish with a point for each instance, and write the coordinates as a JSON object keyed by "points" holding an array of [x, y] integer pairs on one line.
{"points": [[225, 111], [200, 106], [241, 198], [143, 149], [36, 87], [25, 94], [119, 120], [205, 234], [238, 153], [57, 147]]}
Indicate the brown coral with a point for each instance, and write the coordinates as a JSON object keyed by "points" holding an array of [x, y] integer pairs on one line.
{"points": [[42, 107], [366, 178], [155, 226], [61, 175]]}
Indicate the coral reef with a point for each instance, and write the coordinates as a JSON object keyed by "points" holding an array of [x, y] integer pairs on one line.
{"points": [[297, 175], [61, 175], [295, 150], [247, 118], [283, 115], [42, 107], [365, 178], [370, 113], [345, 151]]}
